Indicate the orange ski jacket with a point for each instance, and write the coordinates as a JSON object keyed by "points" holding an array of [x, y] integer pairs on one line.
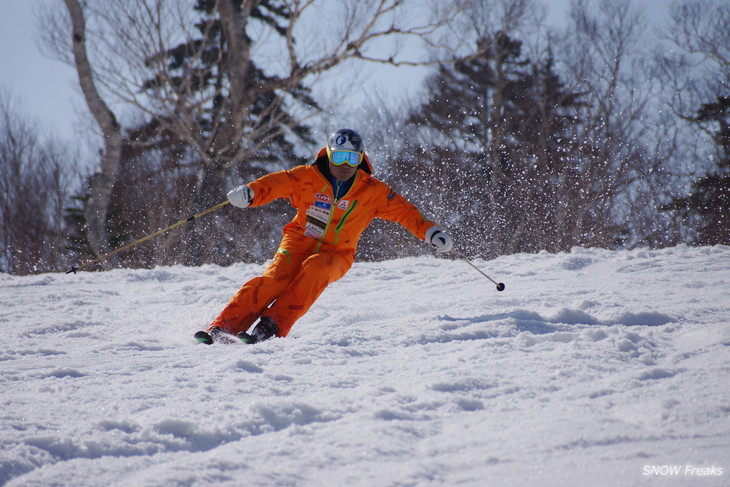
{"points": [[336, 224]]}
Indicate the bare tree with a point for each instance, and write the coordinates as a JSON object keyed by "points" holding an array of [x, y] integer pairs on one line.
{"points": [[132, 63], [694, 65], [603, 53], [34, 183], [694, 62], [103, 181]]}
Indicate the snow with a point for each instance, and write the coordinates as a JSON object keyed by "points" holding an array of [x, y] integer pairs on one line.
{"points": [[593, 367]]}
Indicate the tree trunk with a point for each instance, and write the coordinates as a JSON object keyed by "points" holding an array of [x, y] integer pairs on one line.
{"points": [[103, 181]]}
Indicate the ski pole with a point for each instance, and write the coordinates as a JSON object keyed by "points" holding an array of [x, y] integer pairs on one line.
{"points": [[159, 232], [500, 285]]}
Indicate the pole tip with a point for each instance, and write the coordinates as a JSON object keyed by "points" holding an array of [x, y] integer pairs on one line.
{"points": [[500, 286]]}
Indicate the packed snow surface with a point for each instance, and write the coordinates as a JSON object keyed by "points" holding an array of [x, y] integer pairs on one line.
{"points": [[593, 367]]}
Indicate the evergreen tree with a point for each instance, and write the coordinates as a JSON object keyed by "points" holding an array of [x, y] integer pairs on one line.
{"points": [[200, 67], [179, 176], [496, 134], [76, 237], [709, 199]]}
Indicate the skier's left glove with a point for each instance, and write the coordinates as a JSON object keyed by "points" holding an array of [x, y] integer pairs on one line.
{"points": [[241, 197], [439, 239]]}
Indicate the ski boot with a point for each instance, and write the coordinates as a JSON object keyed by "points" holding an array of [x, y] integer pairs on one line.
{"points": [[265, 329]]}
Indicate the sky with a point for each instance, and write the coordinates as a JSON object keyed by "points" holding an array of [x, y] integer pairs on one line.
{"points": [[48, 90]]}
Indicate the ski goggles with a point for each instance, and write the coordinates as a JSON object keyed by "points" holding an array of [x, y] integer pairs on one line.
{"points": [[340, 157]]}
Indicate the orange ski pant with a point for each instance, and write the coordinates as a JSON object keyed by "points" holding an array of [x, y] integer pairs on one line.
{"points": [[293, 282]]}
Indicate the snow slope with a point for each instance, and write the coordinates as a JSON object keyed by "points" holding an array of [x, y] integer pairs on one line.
{"points": [[593, 367]]}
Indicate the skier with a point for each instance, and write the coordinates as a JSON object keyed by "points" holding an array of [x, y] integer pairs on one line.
{"points": [[336, 198]]}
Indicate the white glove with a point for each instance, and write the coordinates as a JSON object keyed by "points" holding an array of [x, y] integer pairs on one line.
{"points": [[439, 239], [241, 197]]}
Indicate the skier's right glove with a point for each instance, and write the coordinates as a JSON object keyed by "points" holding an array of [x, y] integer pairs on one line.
{"points": [[241, 197], [439, 239]]}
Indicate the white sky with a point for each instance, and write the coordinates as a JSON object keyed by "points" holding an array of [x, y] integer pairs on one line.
{"points": [[45, 88], [48, 90]]}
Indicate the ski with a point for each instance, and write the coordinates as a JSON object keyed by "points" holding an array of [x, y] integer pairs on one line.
{"points": [[203, 337], [217, 335]]}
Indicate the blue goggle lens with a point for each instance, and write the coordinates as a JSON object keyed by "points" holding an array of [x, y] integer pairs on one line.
{"points": [[340, 157]]}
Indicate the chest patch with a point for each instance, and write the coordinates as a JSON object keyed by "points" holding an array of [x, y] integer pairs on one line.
{"points": [[318, 216]]}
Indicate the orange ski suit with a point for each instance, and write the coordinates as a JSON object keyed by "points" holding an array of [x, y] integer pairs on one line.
{"points": [[319, 244]]}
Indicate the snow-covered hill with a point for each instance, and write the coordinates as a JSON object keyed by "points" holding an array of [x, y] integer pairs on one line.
{"points": [[593, 367]]}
